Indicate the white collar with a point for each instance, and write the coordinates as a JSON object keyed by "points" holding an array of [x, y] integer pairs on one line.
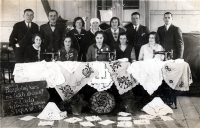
{"points": [[93, 31], [27, 24], [117, 31], [36, 48], [136, 26], [167, 26]]}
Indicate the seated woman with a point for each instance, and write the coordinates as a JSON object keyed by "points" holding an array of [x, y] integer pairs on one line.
{"points": [[67, 53], [146, 51], [123, 50], [93, 53], [32, 53]]}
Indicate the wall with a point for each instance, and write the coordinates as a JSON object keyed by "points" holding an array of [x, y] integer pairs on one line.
{"points": [[12, 12], [186, 14]]}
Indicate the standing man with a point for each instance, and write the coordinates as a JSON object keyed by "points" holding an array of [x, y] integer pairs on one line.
{"points": [[21, 36], [137, 34], [51, 34], [171, 37]]}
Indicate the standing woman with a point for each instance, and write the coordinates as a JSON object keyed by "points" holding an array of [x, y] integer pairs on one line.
{"points": [[146, 51], [78, 34], [90, 34], [97, 47], [124, 50], [67, 53], [113, 33], [32, 53]]}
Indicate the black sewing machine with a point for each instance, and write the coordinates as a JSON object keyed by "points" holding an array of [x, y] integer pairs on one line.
{"points": [[111, 54], [168, 54], [54, 55]]}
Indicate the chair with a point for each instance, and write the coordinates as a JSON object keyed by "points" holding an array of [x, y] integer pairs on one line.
{"points": [[7, 64]]}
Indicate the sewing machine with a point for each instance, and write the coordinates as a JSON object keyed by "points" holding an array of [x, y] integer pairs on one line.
{"points": [[168, 54], [54, 55], [111, 54]]}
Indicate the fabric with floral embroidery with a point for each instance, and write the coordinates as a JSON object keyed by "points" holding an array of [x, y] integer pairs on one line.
{"points": [[177, 75], [122, 79], [103, 80], [147, 73]]}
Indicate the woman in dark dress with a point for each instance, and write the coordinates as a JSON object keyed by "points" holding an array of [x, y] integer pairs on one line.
{"points": [[67, 53], [32, 53], [124, 50], [78, 34]]}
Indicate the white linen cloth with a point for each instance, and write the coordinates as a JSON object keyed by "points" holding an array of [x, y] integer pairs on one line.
{"points": [[157, 108], [177, 75], [75, 81], [147, 73], [104, 80], [50, 112], [39, 71], [122, 79]]}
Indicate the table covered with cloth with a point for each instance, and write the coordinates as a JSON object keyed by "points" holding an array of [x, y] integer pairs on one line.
{"points": [[150, 73], [69, 77]]}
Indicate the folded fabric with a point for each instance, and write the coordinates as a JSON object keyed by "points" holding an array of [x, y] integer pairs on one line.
{"points": [[73, 120], [124, 114], [141, 122], [92, 118], [124, 124], [51, 112], [157, 108], [123, 60], [147, 73], [106, 122], [70, 66], [87, 124], [45, 123], [177, 75]]}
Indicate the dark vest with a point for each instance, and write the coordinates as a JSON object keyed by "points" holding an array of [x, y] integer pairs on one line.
{"points": [[125, 54]]}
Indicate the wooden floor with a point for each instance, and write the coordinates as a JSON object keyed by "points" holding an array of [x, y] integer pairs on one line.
{"points": [[186, 115]]}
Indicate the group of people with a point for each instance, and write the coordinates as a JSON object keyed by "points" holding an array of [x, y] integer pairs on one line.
{"points": [[135, 43]]}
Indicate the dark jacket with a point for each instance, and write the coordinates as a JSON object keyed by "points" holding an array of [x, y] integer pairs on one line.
{"points": [[172, 40], [51, 39], [138, 38], [110, 39], [22, 35]]}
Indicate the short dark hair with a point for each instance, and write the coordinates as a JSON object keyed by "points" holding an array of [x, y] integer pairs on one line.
{"points": [[168, 13], [67, 36], [53, 11], [114, 18], [76, 19], [156, 36], [28, 10], [99, 32], [135, 13], [122, 34], [34, 36]]}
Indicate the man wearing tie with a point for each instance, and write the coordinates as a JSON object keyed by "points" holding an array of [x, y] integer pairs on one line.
{"points": [[171, 37], [51, 34], [21, 36], [137, 34]]}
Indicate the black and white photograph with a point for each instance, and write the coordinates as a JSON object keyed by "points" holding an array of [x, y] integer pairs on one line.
{"points": [[100, 63]]}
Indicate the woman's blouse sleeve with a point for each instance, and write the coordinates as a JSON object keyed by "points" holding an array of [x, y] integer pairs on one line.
{"points": [[141, 54], [133, 57]]}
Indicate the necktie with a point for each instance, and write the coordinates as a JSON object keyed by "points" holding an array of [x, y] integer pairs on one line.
{"points": [[28, 26], [53, 25], [165, 28], [135, 28]]}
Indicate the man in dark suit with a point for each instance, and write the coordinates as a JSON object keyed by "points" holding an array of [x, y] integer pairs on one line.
{"points": [[137, 34], [51, 34], [21, 36], [171, 37]]}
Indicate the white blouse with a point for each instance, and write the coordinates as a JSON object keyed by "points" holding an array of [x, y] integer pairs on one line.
{"points": [[146, 52]]}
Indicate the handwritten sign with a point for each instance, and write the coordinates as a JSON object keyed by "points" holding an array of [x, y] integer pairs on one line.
{"points": [[23, 98]]}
